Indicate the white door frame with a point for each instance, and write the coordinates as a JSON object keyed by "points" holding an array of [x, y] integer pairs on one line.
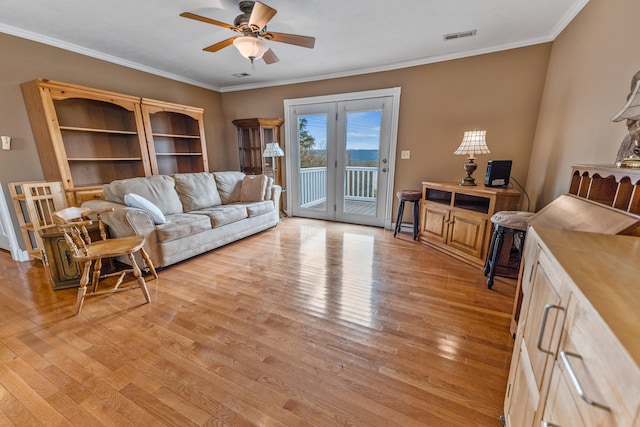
{"points": [[6, 228], [394, 93]]}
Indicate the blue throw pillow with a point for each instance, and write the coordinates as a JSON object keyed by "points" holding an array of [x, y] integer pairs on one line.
{"points": [[136, 201]]}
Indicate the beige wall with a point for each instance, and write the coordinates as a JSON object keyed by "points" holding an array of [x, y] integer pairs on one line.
{"points": [[499, 92], [589, 74], [24, 60]]}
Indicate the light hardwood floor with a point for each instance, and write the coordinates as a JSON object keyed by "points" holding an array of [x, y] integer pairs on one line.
{"points": [[310, 323]]}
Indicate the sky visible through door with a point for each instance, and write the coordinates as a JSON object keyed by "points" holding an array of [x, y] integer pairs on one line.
{"points": [[362, 139]]}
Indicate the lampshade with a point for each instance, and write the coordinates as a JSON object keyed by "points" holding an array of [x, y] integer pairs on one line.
{"points": [[273, 150], [250, 47], [631, 109], [473, 142]]}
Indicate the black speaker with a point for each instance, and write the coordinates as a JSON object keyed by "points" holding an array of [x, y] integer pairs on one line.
{"points": [[498, 172]]}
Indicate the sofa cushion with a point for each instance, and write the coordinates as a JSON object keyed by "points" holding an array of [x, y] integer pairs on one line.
{"points": [[224, 214], [197, 190], [135, 201], [158, 189], [182, 225], [253, 188], [229, 185], [259, 208]]}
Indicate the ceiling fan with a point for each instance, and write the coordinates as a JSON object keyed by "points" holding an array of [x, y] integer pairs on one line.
{"points": [[252, 24]]}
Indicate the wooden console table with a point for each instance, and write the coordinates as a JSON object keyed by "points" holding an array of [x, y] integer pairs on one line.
{"points": [[456, 219]]}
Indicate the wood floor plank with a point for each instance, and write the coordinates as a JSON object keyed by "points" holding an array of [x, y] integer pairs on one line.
{"points": [[309, 323]]}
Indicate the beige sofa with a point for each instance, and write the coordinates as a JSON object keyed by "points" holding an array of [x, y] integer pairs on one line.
{"points": [[184, 215]]}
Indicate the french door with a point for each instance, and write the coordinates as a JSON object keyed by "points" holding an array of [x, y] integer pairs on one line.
{"points": [[340, 156]]}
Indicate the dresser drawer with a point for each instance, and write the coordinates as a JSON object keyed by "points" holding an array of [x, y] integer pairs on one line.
{"points": [[593, 360]]}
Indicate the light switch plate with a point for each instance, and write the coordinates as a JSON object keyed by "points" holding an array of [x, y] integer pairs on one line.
{"points": [[406, 154], [6, 142]]}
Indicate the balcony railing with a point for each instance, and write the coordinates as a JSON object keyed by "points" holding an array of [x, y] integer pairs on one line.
{"points": [[360, 184]]}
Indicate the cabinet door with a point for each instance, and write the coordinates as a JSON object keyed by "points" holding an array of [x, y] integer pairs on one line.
{"points": [[536, 344], [466, 233], [435, 222]]}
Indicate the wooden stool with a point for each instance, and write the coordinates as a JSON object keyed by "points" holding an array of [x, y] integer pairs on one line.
{"points": [[408, 196], [515, 222]]}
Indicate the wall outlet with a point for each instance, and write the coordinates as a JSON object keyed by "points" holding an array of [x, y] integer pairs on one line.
{"points": [[406, 154]]}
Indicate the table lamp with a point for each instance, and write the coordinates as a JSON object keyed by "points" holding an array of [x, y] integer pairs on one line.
{"points": [[474, 142]]}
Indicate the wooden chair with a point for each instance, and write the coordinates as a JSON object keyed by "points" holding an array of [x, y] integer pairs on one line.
{"points": [[73, 222]]}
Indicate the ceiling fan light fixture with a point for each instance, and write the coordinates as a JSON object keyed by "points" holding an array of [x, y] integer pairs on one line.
{"points": [[250, 47]]}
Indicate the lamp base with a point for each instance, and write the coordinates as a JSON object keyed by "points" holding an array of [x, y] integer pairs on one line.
{"points": [[467, 180], [469, 168]]}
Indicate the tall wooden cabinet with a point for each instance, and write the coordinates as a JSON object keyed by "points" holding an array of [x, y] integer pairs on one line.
{"points": [[253, 137], [88, 137], [175, 137], [456, 219], [576, 357]]}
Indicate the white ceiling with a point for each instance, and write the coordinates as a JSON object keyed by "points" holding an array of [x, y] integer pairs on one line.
{"points": [[352, 36]]}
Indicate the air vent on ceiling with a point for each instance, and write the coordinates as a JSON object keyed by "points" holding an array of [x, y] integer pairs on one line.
{"points": [[241, 75], [460, 35]]}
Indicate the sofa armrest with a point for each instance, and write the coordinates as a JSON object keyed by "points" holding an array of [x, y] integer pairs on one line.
{"points": [[123, 220], [276, 193], [126, 221]]}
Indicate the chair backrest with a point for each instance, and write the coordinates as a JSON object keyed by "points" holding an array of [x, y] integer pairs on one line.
{"points": [[73, 223]]}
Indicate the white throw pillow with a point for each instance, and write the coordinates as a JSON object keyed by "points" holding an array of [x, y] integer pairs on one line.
{"points": [[136, 201], [253, 188]]}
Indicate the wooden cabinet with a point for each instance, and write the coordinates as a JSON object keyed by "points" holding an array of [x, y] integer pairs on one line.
{"points": [[576, 358], [88, 137], [456, 219], [253, 136], [57, 258], [175, 138]]}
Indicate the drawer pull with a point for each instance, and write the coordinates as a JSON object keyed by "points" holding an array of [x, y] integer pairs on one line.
{"points": [[548, 424], [565, 358], [543, 325]]}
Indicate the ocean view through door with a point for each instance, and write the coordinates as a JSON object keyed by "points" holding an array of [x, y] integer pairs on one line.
{"points": [[339, 165]]}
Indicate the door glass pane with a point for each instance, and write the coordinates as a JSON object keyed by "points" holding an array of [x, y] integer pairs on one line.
{"points": [[362, 161], [312, 139]]}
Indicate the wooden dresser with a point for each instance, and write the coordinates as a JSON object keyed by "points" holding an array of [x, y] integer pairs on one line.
{"points": [[576, 358]]}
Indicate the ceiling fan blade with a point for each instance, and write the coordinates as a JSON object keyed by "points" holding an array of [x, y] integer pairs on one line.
{"points": [[261, 15], [294, 39], [270, 57], [220, 45], [207, 20]]}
